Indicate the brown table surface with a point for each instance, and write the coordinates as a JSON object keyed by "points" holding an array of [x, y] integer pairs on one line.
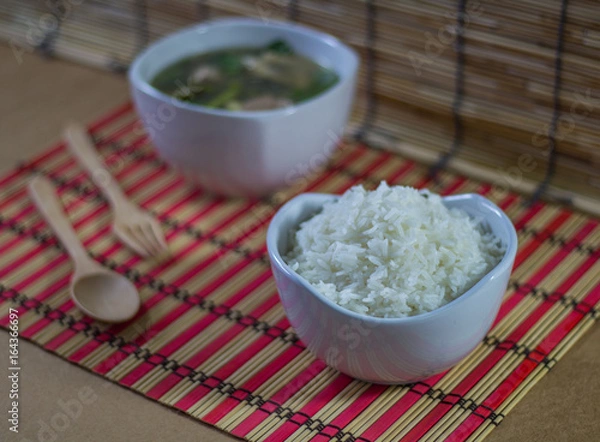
{"points": [[36, 98]]}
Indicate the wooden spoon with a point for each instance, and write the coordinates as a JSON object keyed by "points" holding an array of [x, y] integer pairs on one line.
{"points": [[98, 292]]}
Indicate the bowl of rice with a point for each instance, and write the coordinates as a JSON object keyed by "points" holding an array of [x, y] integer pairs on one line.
{"points": [[392, 285]]}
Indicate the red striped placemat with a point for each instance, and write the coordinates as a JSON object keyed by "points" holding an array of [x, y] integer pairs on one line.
{"points": [[212, 339]]}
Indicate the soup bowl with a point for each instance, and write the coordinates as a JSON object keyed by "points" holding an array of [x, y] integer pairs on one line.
{"points": [[389, 350], [244, 153]]}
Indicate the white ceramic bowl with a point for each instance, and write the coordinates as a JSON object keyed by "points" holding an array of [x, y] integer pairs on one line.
{"points": [[244, 153], [389, 350]]}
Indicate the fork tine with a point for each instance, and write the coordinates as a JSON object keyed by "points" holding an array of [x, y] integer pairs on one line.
{"points": [[131, 241], [159, 234], [148, 230], [138, 233], [149, 240]]}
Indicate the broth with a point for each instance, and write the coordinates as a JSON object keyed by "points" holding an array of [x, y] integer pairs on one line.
{"points": [[245, 78]]}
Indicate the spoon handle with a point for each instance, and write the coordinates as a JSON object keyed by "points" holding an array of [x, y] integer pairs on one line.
{"points": [[45, 198]]}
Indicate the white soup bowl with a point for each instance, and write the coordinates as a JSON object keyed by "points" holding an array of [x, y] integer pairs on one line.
{"points": [[244, 153]]}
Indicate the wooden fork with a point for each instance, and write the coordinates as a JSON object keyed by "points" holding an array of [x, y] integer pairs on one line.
{"points": [[136, 228]]}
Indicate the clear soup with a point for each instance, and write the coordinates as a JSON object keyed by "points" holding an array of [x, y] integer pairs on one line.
{"points": [[247, 79]]}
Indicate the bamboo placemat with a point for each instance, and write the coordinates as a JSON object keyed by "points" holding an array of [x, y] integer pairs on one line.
{"points": [[212, 339]]}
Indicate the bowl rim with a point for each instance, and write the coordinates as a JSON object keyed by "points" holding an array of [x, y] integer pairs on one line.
{"points": [[505, 264], [137, 81]]}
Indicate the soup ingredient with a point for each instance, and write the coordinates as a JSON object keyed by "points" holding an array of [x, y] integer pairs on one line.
{"points": [[246, 78], [265, 102], [392, 252]]}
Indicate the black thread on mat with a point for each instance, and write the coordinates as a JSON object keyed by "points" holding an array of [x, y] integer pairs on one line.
{"points": [[248, 255], [371, 39], [118, 148], [142, 36], [174, 224], [213, 382], [88, 192], [459, 92], [552, 152], [226, 388], [363, 177], [135, 276], [141, 25], [136, 154], [165, 288], [157, 360], [434, 393], [276, 332], [561, 241], [46, 46], [117, 66], [581, 307], [196, 300], [470, 405], [203, 9], [537, 356], [293, 10]]}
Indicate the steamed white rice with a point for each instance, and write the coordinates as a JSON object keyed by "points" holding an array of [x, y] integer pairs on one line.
{"points": [[392, 252]]}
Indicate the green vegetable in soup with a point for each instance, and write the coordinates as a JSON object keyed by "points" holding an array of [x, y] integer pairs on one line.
{"points": [[321, 81], [227, 96], [280, 47], [230, 64], [246, 78]]}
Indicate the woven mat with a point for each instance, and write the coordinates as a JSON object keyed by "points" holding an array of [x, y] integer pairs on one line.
{"points": [[212, 339]]}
